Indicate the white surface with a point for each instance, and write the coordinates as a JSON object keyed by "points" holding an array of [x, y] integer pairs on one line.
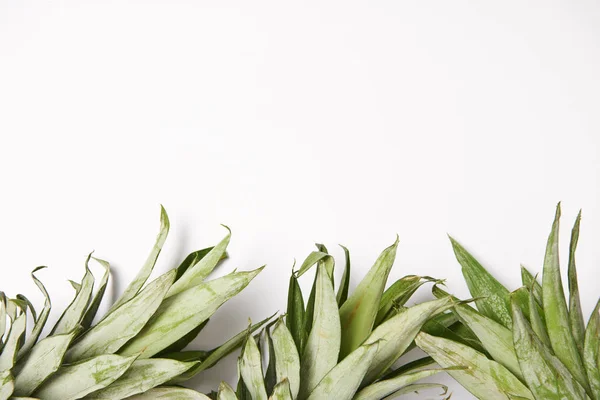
{"points": [[338, 122]]}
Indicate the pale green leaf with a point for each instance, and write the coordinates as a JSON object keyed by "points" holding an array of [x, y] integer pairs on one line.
{"points": [[358, 313], [250, 366], [287, 359], [78, 380], [281, 391], [170, 393], [9, 352], [575, 313], [226, 392], [342, 294], [41, 321], [396, 334], [342, 382], [398, 294], [323, 344], [142, 376], [144, 273], [195, 274], [123, 323], [88, 318], [44, 359], [387, 387], [530, 281], [6, 385], [591, 353], [179, 314], [484, 378], [555, 309]]}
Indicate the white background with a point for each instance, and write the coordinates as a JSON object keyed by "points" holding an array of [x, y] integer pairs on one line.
{"points": [[338, 122]]}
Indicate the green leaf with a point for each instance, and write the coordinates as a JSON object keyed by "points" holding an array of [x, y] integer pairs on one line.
{"points": [[170, 393], [537, 323], [295, 313], [78, 380], [287, 359], [398, 294], [185, 340], [575, 313], [6, 385], [138, 282], [591, 352], [142, 376], [417, 387], [226, 392], [490, 296], [123, 323], [555, 308], [195, 274], [396, 334], [357, 314], [545, 375], [44, 359], [281, 391], [9, 352], [192, 259], [343, 380], [342, 294], [72, 316], [484, 378], [221, 351], [181, 313], [323, 344], [41, 321], [529, 281], [387, 387], [88, 318], [496, 339], [250, 366]]}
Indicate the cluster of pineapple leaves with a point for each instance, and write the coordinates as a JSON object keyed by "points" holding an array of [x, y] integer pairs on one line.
{"points": [[337, 344]]}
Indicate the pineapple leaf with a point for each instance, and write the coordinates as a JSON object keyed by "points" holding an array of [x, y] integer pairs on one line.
{"points": [[342, 381], [78, 380], [555, 308], [9, 352], [545, 375], [281, 391], [6, 384], [575, 313], [358, 313], [399, 293], [484, 378], [530, 281], [123, 323], [287, 359], [41, 321], [44, 359], [342, 294], [170, 393], [195, 274], [181, 313], [591, 352], [323, 345], [142, 376], [387, 387], [295, 313], [136, 285], [93, 308], [192, 259], [226, 392], [250, 366]]}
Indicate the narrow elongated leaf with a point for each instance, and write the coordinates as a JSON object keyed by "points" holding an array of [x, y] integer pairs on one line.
{"points": [[250, 365], [144, 273], [387, 387], [142, 376], [72, 316], [323, 344], [544, 374], [484, 378], [170, 393], [418, 387], [9, 352], [398, 294], [123, 323], [78, 380], [396, 334], [342, 294], [344, 379], [537, 324], [44, 359], [41, 321], [491, 296], [90, 314], [281, 391], [6, 385], [313, 259], [529, 281], [591, 352], [221, 351], [195, 274], [180, 344], [226, 392], [358, 313], [575, 313], [192, 259], [295, 313], [496, 339], [555, 308], [181, 313], [2, 318], [287, 359]]}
